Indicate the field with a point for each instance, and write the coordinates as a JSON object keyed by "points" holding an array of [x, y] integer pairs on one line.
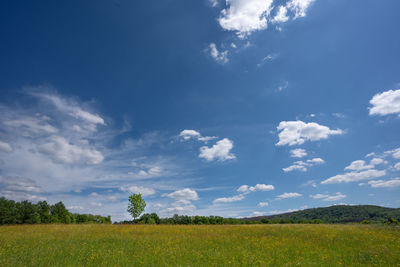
{"points": [[163, 245]]}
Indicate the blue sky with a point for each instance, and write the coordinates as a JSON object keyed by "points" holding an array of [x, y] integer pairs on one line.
{"points": [[233, 108]]}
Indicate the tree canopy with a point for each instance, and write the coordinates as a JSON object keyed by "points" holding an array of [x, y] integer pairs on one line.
{"points": [[136, 205]]}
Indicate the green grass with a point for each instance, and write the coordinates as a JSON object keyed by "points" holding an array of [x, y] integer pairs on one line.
{"points": [[251, 245]]}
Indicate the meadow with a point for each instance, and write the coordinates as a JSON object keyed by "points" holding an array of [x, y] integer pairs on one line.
{"points": [[188, 245]]}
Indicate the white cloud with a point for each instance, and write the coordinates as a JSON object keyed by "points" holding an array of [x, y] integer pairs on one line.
{"points": [[145, 191], [153, 171], [263, 204], [219, 56], [299, 7], [28, 125], [262, 187], [5, 147], [318, 196], [192, 134], [298, 153], [397, 166], [358, 165], [394, 153], [20, 196], [18, 184], [302, 165], [377, 161], [315, 161], [370, 155], [282, 211], [257, 187], [70, 107], [295, 168], [385, 103], [283, 86], [310, 183], [389, 183], [229, 199], [61, 151], [180, 210], [258, 213], [96, 204], [288, 195], [354, 176], [184, 194], [245, 16], [270, 57], [243, 188], [336, 197], [213, 3], [297, 132], [188, 134], [220, 151], [281, 16]]}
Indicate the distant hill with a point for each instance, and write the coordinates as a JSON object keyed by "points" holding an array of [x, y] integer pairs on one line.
{"points": [[338, 214]]}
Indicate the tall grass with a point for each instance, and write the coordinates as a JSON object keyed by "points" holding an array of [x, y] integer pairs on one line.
{"points": [[163, 245]]}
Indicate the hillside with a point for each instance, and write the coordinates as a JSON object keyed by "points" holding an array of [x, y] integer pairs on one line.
{"points": [[338, 214]]}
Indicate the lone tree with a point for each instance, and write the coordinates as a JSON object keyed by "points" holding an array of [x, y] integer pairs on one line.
{"points": [[136, 205]]}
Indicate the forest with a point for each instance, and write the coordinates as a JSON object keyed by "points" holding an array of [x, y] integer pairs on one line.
{"points": [[25, 212]]}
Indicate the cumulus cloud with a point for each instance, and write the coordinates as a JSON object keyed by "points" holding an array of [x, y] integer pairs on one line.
{"points": [[60, 150], [370, 154], [151, 172], [387, 184], [377, 161], [288, 195], [184, 194], [395, 153], [297, 132], [302, 165], [295, 168], [385, 103], [228, 199], [145, 191], [221, 151], [325, 197], [397, 166], [5, 147], [354, 176], [263, 204], [219, 56], [358, 165], [298, 153], [257, 187], [299, 7], [192, 134], [245, 16], [281, 15]]}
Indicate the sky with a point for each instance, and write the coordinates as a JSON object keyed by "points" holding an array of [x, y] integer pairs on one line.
{"points": [[233, 108]]}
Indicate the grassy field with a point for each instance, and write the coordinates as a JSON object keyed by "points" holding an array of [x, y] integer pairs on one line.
{"points": [[251, 245]]}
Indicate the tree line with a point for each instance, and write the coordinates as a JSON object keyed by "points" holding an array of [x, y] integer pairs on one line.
{"points": [[153, 218], [25, 212]]}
